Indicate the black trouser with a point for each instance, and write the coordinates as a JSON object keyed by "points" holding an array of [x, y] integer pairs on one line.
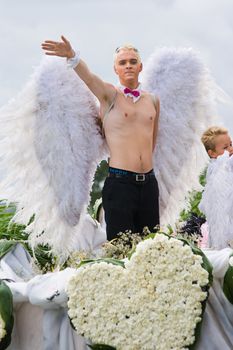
{"points": [[130, 203]]}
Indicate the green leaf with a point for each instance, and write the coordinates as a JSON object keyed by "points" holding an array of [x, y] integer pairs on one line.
{"points": [[228, 283], [101, 347], [151, 235], [100, 175], [5, 247], [193, 201], [106, 260], [198, 327], [96, 209], [209, 268], [131, 252], [206, 263], [6, 311]]}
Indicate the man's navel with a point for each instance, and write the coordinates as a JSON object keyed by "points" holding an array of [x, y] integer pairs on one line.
{"points": [[141, 163]]}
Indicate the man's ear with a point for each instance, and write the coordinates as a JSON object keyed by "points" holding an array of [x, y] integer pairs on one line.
{"points": [[141, 66], [212, 154]]}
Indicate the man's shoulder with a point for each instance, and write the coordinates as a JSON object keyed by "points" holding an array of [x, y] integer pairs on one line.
{"points": [[154, 98]]}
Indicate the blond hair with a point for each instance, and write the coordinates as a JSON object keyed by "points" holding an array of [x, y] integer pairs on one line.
{"points": [[126, 47], [209, 137]]}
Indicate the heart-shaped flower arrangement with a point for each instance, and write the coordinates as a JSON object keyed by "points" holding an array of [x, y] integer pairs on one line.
{"points": [[155, 302]]}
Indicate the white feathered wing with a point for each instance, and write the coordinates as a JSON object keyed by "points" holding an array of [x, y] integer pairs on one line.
{"points": [[217, 201], [50, 146], [187, 95]]}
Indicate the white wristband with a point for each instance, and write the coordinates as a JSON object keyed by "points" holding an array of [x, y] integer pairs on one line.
{"points": [[74, 61]]}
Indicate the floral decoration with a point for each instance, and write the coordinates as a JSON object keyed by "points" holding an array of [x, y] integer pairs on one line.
{"points": [[154, 302]]}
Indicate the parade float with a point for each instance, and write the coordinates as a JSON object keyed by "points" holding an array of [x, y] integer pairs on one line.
{"points": [[60, 287]]}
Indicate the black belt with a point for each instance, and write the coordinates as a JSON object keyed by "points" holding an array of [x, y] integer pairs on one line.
{"points": [[133, 176]]}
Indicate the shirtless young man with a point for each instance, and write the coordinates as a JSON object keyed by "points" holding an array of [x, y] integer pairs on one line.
{"points": [[130, 123]]}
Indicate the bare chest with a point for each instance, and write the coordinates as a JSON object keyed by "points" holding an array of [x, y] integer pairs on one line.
{"points": [[125, 114]]}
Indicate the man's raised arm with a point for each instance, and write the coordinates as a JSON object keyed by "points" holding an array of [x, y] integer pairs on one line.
{"points": [[103, 91]]}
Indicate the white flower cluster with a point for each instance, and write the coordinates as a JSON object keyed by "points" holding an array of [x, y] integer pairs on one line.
{"points": [[2, 328], [154, 303]]}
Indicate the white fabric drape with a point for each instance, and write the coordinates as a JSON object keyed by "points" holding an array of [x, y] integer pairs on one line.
{"points": [[42, 323]]}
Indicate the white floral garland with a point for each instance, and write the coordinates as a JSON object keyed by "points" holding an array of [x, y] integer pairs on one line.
{"points": [[2, 328], [155, 302]]}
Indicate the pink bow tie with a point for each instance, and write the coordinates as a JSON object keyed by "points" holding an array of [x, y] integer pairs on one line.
{"points": [[135, 93]]}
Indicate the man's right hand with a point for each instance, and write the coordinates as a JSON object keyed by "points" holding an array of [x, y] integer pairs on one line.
{"points": [[103, 91], [61, 49]]}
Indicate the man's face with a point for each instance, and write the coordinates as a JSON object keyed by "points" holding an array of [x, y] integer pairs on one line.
{"points": [[127, 66], [222, 143]]}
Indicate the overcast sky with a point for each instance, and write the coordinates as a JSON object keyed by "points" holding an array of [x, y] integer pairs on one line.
{"points": [[97, 27]]}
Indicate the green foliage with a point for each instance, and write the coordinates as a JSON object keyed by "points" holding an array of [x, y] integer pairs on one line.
{"points": [[9, 230], [5, 247], [100, 175], [106, 260], [15, 233], [6, 312], [101, 347], [228, 283], [194, 200]]}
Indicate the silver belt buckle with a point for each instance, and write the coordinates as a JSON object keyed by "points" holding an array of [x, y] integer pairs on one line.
{"points": [[140, 177]]}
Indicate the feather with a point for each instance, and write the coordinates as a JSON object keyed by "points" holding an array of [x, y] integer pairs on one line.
{"points": [[187, 107], [50, 146], [217, 201]]}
